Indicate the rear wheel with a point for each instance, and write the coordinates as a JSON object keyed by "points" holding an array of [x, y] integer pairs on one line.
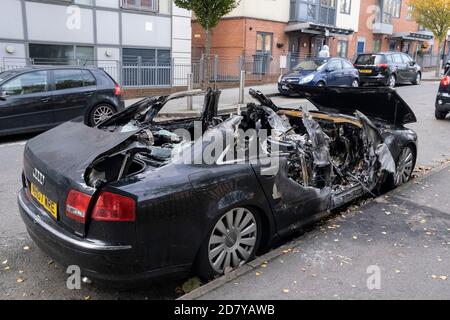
{"points": [[418, 79], [100, 113], [232, 242], [321, 84], [392, 81], [440, 115]]}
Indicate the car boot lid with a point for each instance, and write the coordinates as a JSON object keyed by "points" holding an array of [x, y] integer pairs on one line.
{"points": [[377, 103]]}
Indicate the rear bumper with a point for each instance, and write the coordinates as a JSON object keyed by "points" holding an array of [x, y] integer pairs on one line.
{"points": [[379, 79], [443, 103], [101, 261]]}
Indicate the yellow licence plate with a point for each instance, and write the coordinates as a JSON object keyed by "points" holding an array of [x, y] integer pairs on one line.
{"points": [[49, 205], [365, 71]]}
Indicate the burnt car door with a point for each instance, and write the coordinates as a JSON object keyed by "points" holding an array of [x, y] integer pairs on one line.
{"points": [[26, 103]]}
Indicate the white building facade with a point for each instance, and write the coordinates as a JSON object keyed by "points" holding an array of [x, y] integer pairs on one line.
{"points": [[136, 41]]}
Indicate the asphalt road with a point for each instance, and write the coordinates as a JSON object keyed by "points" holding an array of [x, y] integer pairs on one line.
{"points": [[27, 273]]}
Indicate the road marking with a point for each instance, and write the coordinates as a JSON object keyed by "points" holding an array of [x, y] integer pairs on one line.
{"points": [[12, 144]]}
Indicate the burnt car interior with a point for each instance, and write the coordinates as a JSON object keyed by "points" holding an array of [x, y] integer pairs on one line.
{"points": [[154, 143], [333, 152]]}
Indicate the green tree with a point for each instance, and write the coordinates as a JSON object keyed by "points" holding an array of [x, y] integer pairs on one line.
{"points": [[435, 16], [208, 14]]}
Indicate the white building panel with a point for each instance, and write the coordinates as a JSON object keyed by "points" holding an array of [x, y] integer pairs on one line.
{"points": [[108, 27], [56, 23], [11, 25], [107, 3], [12, 55], [146, 30]]}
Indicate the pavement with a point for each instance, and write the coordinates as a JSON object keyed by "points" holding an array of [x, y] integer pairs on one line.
{"points": [[29, 274], [403, 238]]}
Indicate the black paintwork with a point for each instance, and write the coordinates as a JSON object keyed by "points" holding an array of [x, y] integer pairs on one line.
{"points": [[35, 112], [405, 70], [177, 204], [443, 96]]}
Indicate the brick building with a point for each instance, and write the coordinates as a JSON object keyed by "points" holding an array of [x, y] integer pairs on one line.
{"points": [[301, 27]]}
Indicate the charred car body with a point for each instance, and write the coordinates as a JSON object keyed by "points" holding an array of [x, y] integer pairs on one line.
{"points": [[122, 202]]}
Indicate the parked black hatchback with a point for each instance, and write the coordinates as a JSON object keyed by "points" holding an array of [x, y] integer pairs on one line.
{"points": [[443, 98], [39, 98], [388, 69]]}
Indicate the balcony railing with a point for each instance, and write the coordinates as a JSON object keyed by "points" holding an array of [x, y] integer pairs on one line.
{"points": [[145, 5]]}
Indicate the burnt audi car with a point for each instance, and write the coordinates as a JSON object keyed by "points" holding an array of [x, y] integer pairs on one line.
{"points": [[134, 198]]}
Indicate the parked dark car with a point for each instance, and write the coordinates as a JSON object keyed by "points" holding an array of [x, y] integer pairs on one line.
{"points": [[123, 202], [39, 98], [443, 98], [320, 72], [388, 69]]}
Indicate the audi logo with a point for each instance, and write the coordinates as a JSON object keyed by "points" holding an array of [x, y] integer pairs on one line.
{"points": [[39, 176]]}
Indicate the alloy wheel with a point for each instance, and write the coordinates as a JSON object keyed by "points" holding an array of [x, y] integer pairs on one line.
{"points": [[355, 84], [392, 81], [418, 78], [405, 166], [101, 113], [233, 240]]}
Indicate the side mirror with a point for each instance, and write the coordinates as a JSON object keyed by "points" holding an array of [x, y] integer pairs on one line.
{"points": [[3, 95], [412, 63], [329, 69]]}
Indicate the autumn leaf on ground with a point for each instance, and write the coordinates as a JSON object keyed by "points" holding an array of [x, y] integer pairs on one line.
{"points": [[191, 285]]}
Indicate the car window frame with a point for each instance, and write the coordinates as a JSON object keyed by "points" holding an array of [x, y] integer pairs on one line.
{"points": [[333, 61], [348, 63], [397, 55], [93, 77], [49, 87], [407, 58]]}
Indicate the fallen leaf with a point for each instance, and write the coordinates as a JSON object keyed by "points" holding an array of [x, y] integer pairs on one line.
{"points": [[264, 265], [258, 274], [191, 285], [20, 271], [87, 298], [6, 268], [355, 238], [5, 262], [285, 290], [26, 248], [19, 280], [443, 277], [397, 271], [384, 232]]}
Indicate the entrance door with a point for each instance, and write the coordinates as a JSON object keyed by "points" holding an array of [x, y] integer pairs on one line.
{"points": [[361, 47], [318, 44]]}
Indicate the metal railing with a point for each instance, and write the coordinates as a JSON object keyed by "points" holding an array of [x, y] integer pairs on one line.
{"points": [[173, 72]]}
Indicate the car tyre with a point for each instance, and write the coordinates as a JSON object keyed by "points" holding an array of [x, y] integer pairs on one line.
{"points": [[392, 81], [232, 242], [321, 84], [355, 83], [404, 169], [100, 113], [440, 115], [418, 79]]}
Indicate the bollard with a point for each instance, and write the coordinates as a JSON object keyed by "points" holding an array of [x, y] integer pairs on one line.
{"points": [[190, 86], [241, 91]]}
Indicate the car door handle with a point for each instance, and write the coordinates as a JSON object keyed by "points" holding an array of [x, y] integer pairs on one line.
{"points": [[46, 99]]}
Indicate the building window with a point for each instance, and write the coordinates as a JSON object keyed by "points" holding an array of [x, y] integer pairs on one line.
{"points": [[264, 42], [146, 67], [392, 8], [392, 45], [409, 14], [346, 6], [61, 54], [342, 49], [376, 45], [148, 5]]}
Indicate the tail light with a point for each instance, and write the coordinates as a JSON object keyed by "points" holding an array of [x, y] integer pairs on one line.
{"points": [[77, 205], [117, 90], [445, 81], [383, 66], [114, 207]]}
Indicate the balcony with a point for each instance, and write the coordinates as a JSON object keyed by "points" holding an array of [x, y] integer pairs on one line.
{"points": [[141, 5], [383, 28], [322, 12]]}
